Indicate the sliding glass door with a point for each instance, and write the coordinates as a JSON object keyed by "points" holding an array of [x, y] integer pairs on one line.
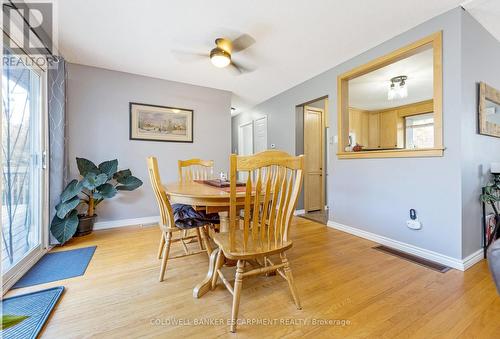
{"points": [[22, 168]]}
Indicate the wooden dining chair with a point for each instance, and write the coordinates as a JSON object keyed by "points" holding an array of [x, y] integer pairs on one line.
{"points": [[168, 225], [274, 180], [195, 169]]}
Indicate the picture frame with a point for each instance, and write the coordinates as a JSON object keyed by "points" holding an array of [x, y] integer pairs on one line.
{"points": [[489, 110], [160, 123]]}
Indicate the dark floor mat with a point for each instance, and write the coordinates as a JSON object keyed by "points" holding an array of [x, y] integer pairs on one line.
{"points": [[55, 266]]}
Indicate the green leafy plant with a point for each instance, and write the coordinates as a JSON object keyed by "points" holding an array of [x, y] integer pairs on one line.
{"points": [[96, 184], [9, 320], [491, 193]]}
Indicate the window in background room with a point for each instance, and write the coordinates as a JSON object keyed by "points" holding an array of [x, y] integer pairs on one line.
{"points": [[420, 131]]}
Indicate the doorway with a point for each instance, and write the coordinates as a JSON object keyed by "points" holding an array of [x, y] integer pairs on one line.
{"points": [[245, 139], [260, 132], [314, 150], [245, 144], [23, 169]]}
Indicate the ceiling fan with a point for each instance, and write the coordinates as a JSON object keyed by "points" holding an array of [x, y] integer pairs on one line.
{"points": [[222, 55]]}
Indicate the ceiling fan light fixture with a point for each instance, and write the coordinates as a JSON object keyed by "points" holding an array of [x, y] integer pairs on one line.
{"points": [[220, 58]]}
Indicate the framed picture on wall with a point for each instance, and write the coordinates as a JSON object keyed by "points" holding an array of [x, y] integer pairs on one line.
{"points": [[160, 123], [489, 110]]}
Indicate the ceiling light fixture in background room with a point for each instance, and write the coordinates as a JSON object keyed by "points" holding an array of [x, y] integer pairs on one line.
{"points": [[398, 88]]}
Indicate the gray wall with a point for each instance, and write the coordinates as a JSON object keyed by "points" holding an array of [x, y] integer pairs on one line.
{"points": [[375, 195], [98, 123], [480, 62]]}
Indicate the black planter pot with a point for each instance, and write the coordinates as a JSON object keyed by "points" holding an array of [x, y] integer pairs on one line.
{"points": [[85, 225]]}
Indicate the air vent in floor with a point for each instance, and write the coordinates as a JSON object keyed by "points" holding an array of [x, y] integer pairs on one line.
{"points": [[413, 258]]}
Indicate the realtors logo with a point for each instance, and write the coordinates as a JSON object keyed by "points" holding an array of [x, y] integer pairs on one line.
{"points": [[28, 27]]}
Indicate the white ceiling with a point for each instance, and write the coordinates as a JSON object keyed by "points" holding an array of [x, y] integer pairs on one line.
{"points": [[487, 12], [369, 91], [295, 39]]}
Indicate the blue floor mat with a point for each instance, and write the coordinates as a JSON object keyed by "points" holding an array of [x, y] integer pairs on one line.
{"points": [[57, 266], [36, 305]]}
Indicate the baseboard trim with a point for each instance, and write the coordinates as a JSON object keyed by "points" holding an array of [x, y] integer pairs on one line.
{"points": [[458, 264], [473, 259], [103, 225]]}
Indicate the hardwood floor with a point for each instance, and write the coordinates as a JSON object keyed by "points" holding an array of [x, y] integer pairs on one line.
{"points": [[339, 278]]}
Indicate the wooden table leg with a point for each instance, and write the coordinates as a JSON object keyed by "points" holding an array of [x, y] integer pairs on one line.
{"points": [[206, 284]]}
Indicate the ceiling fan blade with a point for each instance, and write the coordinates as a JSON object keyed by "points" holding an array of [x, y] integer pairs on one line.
{"points": [[234, 69], [185, 56], [238, 68], [242, 42]]}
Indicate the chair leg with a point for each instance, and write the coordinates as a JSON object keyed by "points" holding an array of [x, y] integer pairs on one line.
{"points": [[236, 296], [218, 264], [183, 234], [206, 241], [200, 242], [162, 243], [291, 283], [166, 251]]}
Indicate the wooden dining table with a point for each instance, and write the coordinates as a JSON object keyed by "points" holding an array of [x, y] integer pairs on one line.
{"points": [[210, 199]]}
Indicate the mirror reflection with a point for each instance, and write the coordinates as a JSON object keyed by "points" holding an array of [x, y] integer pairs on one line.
{"points": [[492, 112], [392, 107]]}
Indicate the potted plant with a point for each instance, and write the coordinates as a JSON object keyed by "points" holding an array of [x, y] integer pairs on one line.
{"points": [[491, 195], [96, 184]]}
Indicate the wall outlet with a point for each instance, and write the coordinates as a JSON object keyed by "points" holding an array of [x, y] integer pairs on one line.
{"points": [[414, 224]]}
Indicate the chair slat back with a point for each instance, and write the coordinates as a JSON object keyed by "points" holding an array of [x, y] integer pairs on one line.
{"points": [[166, 212], [273, 184], [195, 169]]}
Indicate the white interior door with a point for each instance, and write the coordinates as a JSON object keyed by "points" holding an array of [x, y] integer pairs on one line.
{"points": [[245, 144], [245, 139], [260, 135]]}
